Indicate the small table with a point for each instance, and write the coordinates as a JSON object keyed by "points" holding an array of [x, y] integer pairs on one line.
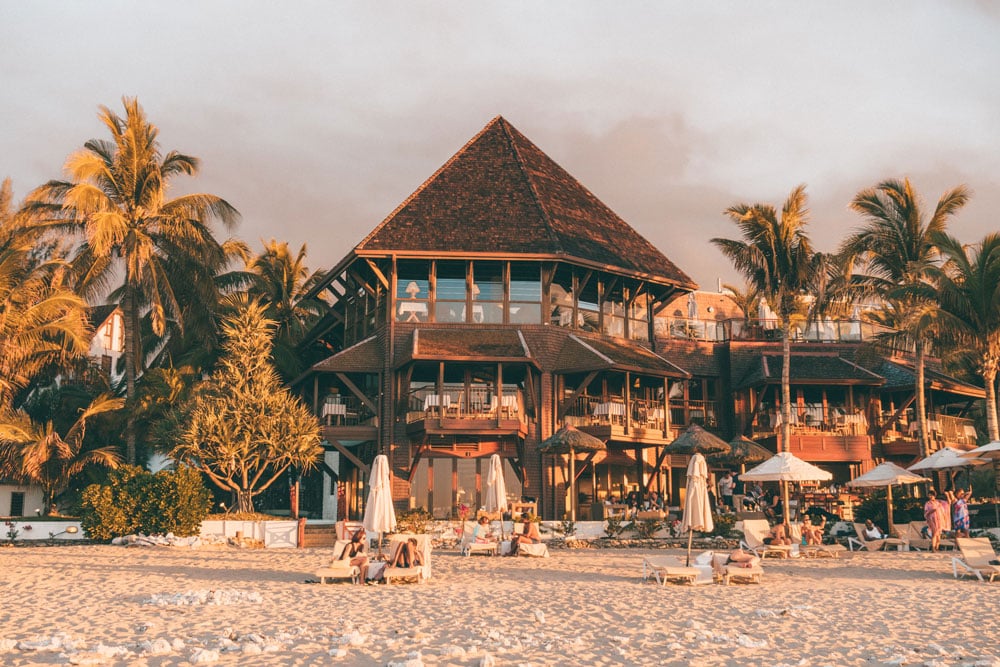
{"points": [[413, 309], [338, 410]]}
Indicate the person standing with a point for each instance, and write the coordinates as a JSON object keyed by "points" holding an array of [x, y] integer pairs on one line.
{"points": [[959, 512], [726, 484], [936, 516]]}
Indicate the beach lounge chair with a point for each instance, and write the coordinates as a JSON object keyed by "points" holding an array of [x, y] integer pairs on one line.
{"points": [[726, 571], [671, 568], [863, 543], [419, 574], [913, 534], [812, 550], [469, 545], [754, 532], [978, 558], [539, 550], [340, 567]]}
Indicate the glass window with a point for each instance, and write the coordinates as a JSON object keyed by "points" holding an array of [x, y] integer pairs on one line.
{"points": [[639, 318], [412, 290], [450, 305], [588, 318], [525, 293], [561, 297], [487, 292]]}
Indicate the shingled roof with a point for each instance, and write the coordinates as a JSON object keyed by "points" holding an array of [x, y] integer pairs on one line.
{"points": [[809, 369], [900, 375], [501, 194], [483, 344], [579, 354], [362, 357]]}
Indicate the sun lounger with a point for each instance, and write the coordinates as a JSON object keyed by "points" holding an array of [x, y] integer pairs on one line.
{"points": [[727, 572], [670, 568], [469, 545], [754, 533], [913, 534], [537, 550], [861, 542], [418, 574], [977, 554], [340, 567]]}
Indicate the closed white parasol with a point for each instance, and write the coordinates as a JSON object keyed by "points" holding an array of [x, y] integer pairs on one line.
{"points": [[380, 517], [697, 513], [496, 489]]}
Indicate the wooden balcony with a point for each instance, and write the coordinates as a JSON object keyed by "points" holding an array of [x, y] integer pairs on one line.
{"points": [[822, 446]]}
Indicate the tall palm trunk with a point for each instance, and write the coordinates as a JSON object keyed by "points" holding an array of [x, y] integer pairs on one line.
{"points": [[131, 321], [786, 383], [925, 440], [989, 377]]}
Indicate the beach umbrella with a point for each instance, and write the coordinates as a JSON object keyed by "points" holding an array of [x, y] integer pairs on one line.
{"points": [[695, 439], [785, 467], [887, 474], [947, 458], [989, 452], [742, 450], [697, 513], [380, 517], [570, 440], [496, 489]]}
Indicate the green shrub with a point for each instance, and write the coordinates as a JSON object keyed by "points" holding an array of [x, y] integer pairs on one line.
{"points": [[413, 521], [615, 527], [723, 524], [646, 528], [137, 501]]}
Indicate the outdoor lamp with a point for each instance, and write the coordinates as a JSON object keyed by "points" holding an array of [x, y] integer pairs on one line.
{"points": [[68, 530]]}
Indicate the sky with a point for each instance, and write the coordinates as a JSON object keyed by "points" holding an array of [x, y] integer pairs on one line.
{"points": [[316, 119]]}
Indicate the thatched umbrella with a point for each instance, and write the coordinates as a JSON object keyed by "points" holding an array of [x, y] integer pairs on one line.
{"points": [[569, 440], [696, 440], [742, 451]]}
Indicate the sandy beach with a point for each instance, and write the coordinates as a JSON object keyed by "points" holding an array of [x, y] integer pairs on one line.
{"points": [[171, 606]]}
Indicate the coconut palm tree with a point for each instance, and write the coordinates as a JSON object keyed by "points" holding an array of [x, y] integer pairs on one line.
{"points": [[968, 291], [42, 322], [895, 252], [42, 456], [281, 282], [117, 196], [776, 256]]}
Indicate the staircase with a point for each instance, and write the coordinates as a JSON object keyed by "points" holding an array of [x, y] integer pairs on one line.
{"points": [[321, 535]]}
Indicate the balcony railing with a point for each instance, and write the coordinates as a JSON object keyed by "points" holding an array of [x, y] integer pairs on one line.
{"points": [[457, 401], [642, 413], [825, 331]]}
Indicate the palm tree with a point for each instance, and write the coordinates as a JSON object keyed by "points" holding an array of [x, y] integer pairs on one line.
{"points": [[117, 196], [776, 257], [747, 298], [968, 291], [42, 322], [896, 254], [281, 281], [42, 456]]}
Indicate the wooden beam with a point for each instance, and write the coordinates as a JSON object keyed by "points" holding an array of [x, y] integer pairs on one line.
{"points": [[421, 448], [350, 455], [378, 273], [583, 465], [325, 467], [357, 392], [568, 402]]}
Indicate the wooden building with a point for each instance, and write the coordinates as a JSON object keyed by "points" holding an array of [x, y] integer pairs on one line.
{"points": [[502, 300]]}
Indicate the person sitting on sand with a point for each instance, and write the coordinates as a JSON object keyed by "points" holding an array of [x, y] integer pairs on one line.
{"points": [[529, 535], [481, 533], [872, 532], [813, 532], [778, 535]]}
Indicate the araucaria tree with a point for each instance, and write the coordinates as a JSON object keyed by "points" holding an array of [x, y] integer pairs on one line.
{"points": [[245, 429], [117, 197], [776, 257]]}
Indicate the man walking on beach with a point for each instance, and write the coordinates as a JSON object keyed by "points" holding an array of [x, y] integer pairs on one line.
{"points": [[726, 484]]}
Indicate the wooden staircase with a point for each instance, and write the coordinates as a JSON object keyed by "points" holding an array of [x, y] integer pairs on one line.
{"points": [[320, 535]]}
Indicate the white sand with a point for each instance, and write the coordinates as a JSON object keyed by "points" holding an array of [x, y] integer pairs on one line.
{"points": [[227, 606]]}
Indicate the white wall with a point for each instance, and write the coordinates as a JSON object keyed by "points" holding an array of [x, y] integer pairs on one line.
{"points": [[33, 498]]}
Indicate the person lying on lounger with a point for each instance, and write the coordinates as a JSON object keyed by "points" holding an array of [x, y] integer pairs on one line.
{"points": [[742, 558]]}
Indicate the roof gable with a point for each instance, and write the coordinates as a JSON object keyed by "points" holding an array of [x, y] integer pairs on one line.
{"points": [[501, 194]]}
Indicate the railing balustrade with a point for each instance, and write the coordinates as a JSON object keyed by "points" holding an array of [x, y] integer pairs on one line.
{"points": [[458, 401], [820, 331]]}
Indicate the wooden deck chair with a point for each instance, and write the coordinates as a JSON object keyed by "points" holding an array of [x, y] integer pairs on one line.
{"points": [[754, 532], [469, 545], [668, 568], [340, 567], [978, 558], [419, 574], [863, 543], [727, 572]]}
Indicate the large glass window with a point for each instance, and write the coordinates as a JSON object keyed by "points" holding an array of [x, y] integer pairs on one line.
{"points": [[561, 297], [412, 290], [613, 310], [525, 293], [639, 318], [588, 317], [450, 305], [487, 292]]}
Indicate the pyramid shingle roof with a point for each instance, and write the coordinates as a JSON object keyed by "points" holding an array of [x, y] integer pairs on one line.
{"points": [[501, 194]]}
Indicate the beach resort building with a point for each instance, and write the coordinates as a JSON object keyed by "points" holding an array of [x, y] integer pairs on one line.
{"points": [[503, 300]]}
